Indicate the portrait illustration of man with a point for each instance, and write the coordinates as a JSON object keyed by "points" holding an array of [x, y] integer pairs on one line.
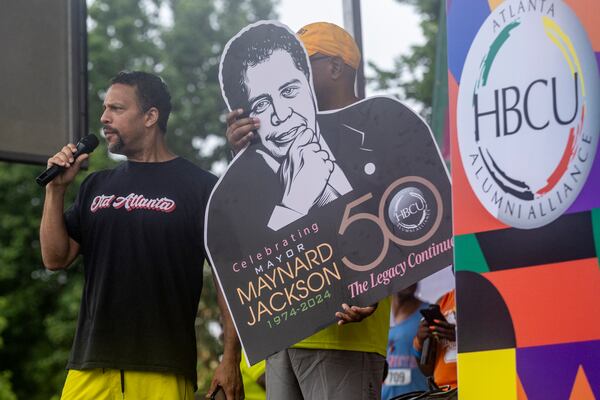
{"points": [[274, 77]]}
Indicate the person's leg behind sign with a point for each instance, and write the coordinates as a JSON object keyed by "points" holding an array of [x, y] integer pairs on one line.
{"points": [[281, 383], [324, 374]]}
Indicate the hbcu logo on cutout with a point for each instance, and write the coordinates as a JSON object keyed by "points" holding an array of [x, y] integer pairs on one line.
{"points": [[414, 210], [408, 210], [527, 117]]}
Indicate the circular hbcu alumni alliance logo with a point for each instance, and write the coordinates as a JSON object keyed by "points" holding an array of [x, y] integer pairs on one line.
{"points": [[528, 120]]}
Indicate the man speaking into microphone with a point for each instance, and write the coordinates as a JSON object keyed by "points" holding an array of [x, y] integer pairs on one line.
{"points": [[139, 228]]}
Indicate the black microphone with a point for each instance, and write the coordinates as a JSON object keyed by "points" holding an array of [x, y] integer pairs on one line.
{"points": [[85, 145]]}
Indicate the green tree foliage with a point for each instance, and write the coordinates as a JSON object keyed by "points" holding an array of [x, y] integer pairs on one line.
{"points": [[6, 392], [35, 330], [414, 72], [38, 309]]}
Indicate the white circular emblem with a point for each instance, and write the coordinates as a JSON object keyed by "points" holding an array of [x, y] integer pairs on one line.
{"points": [[528, 120], [369, 168]]}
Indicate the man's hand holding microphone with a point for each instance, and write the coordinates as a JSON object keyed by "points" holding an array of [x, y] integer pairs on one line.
{"points": [[64, 165]]}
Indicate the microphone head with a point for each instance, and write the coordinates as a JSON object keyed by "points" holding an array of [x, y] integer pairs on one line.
{"points": [[88, 143]]}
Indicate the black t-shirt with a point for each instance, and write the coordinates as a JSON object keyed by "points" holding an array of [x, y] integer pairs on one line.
{"points": [[140, 227]]}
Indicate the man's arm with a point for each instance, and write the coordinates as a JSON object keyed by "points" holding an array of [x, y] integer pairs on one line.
{"points": [[228, 375], [58, 249]]}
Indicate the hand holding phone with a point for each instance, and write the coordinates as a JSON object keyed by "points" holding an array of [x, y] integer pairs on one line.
{"points": [[441, 329], [432, 313]]}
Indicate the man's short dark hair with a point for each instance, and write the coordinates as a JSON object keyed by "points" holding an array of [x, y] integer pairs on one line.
{"points": [[250, 48], [151, 91]]}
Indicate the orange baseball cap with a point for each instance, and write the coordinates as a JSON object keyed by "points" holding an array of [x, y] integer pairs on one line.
{"points": [[329, 39]]}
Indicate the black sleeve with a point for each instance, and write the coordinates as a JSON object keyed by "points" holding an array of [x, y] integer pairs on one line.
{"points": [[72, 221], [211, 182], [72, 215]]}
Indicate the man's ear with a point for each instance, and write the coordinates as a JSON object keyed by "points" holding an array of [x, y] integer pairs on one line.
{"points": [[336, 67], [151, 117]]}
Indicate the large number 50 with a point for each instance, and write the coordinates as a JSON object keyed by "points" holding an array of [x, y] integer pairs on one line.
{"points": [[379, 220]]}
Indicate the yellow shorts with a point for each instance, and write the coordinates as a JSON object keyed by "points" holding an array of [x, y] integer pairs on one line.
{"points": [[112, 384]]}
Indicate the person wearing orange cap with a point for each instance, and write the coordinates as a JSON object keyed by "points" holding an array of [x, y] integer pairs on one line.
{"points": [[345, 360], [334, 59]]}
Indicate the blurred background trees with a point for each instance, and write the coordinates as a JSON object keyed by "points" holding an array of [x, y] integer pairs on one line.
{"points": [[415, 72], [421, 75], [182, 41]]}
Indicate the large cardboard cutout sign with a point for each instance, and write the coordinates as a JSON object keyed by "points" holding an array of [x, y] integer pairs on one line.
{"points": [[325, 208]]}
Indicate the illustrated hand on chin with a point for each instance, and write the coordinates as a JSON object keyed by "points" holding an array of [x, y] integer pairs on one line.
{"points": [[304, 172]]}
